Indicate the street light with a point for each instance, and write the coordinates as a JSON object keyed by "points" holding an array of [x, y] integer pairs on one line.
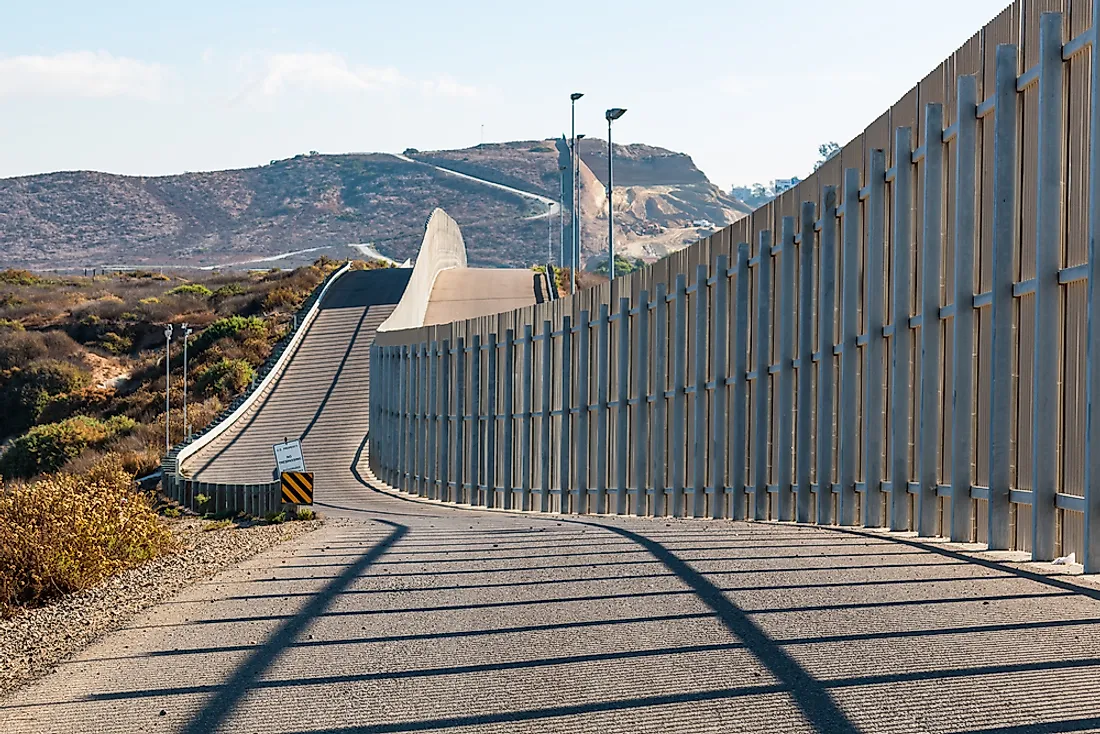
{"points": [[575, 229], [612, 114], [186, 425], [561, 215], [549, 232], [577, 211], [167, 387]]}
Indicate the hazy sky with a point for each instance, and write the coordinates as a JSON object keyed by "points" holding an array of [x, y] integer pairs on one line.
{"points": [[748, 88]]}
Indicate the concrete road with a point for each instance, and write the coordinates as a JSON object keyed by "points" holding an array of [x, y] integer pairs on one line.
{"points": [[405, 617]]}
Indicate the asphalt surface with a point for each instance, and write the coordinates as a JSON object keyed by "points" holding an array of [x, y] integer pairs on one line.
{"points": [[405, 616]]}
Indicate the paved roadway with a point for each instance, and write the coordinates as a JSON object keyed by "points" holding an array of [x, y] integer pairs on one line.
{"points": [[404, 616]]}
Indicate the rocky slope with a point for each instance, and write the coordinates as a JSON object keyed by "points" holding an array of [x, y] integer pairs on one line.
{"points": [[293, 210]]}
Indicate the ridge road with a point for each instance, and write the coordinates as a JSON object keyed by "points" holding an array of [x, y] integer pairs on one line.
{"points": [[402, 615]]}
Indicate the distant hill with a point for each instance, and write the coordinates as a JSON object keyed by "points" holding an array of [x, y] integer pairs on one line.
{"points": [[329, 204]]}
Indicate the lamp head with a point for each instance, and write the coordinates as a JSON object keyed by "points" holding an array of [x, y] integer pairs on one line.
{"points": [[168, 331], [580, 135], [614, 113], [576, 95]]}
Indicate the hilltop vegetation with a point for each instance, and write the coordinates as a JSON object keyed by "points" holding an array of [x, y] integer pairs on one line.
{"points": [[327, 204], [82, 359]]}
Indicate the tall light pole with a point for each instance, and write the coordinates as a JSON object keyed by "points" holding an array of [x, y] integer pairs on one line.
{"points": [[186, 425], [549, 232], [573, 183], [167, 387], [577, 210], [612, 114], [561, 216]]}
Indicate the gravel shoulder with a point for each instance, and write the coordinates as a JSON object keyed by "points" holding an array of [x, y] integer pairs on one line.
{"points": [[34, 642]]}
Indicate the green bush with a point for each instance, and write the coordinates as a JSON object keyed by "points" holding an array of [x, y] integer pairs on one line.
{"points": [[47, 448], [70, 531], [25, 395], [115, 343], [11, 276], [231, 326], [229, 289], [224, 378], [191, 289], [11, 325]]}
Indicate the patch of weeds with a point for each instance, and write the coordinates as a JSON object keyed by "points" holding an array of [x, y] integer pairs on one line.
{"points": [[171, 512], [216, 525], [275, 518], [305, 514]]}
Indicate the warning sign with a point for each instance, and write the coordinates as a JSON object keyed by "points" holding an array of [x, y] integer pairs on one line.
{"points": [[288, 456], [297, 487]]}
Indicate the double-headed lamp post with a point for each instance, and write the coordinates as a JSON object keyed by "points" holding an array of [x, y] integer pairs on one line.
{"points": [[186, 425], [167, 387], [612, 114]]}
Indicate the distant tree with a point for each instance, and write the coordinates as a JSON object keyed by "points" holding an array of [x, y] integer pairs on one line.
{"points": [[827, 151]]}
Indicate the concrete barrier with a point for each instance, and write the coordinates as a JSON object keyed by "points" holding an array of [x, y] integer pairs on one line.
{"points": [[443, 248]]}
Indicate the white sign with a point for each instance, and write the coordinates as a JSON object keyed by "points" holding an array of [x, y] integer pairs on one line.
{"points": [[289, 456]]}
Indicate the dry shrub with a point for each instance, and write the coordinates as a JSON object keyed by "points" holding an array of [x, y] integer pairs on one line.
{"points": [[68, 532], [281, 298]]}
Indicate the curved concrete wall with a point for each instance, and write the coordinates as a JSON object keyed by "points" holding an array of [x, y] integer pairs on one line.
{"points": [[443, 248]]}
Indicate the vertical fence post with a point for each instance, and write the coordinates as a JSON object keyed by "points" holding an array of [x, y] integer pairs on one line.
{"points": [[784, 504], [622, 409], [489, 454], [826, 309], [804, 426], [565, 439], [678, 442], [413, 423], [640, 436], [525, 445], [400, 401], [422, 417], [848, 419], [931, 333], [1048, 246], [565, 444], [474, 472], [584, 375], [719, 369], [1005, 229], [699, 397], [546, 415], [603, 367], [445, 410], [739, 435], [1091, 554], [431, 475], [901, 349], [962, 390], [509, 449], [659, 435], [461, 457], [763, 364], [875, 318]]}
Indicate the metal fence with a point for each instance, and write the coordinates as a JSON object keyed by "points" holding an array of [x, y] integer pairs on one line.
{"points": [[902, 340]]}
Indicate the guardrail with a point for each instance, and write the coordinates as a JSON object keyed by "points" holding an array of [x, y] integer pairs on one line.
{"points": [[251, 498]]}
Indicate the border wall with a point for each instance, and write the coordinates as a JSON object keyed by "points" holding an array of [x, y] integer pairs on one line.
{"points": [[902, 340]]}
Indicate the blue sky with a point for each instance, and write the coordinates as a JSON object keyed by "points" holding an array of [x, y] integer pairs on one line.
{"points": [[748, 89]]}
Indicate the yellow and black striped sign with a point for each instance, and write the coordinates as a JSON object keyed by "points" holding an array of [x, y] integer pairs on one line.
{"points": [[297, 487]]}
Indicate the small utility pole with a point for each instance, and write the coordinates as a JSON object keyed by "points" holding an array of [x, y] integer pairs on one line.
{"points": [[186, 425], [167, 387]]}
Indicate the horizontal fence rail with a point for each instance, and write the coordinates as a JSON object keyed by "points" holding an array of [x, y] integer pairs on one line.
{"points": [[904, 340]]}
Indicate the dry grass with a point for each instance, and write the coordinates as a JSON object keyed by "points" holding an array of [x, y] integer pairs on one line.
{"points": [[67, 532]]}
